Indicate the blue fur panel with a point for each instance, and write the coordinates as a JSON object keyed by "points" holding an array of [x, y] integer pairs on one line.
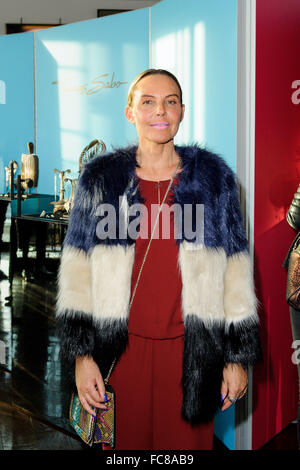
{"points": [[231, 220], [81, 231], [108, 176], [203, 364], [80, 335], [205, 179], [242, 343]]}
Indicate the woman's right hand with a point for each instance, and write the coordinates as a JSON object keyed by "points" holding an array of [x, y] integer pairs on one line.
{"points": [[89, 383]]}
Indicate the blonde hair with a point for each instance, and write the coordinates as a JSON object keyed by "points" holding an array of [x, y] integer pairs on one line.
{"points": [[144, 74]]}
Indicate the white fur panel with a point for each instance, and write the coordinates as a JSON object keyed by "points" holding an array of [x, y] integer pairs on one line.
{"points": [[111, 280], [202, 272], [74, 281], [240, 302]]}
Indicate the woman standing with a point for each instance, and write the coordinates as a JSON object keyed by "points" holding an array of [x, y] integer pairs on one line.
{"points": [[192, 328]]}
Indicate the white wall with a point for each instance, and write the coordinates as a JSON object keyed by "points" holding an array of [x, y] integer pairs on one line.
{"points": [[70, 11]]}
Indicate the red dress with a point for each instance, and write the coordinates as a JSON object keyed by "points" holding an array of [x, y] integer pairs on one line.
{"points": [[147, 378]]}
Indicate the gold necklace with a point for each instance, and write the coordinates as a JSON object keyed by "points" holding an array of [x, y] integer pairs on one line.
{"points": [[158, 190]]}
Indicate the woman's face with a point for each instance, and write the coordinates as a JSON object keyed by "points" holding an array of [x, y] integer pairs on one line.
{"points": [[156, 110]]}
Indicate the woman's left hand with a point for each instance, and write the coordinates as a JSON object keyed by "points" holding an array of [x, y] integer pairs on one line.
{"points": [[235, 383]]}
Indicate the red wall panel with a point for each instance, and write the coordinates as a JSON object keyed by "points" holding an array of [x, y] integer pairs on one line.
{"points": [[277, 175]]}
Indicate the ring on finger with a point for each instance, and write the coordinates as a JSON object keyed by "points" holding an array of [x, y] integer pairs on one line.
{"points": [[233, 400]]}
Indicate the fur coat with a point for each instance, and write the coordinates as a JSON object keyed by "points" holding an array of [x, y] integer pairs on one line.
{"points": [[219, 304]]}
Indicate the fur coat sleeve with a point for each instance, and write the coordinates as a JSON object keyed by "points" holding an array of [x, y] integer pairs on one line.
{"points": [[241, 336]]}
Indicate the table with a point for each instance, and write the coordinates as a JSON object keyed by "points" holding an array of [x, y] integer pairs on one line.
{"points": [[22, 227]]}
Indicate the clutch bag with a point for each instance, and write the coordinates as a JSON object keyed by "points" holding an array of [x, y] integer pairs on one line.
{"points": [[99, 430], [293, 278]]}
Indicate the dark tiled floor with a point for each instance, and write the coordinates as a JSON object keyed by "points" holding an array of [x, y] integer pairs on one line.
{"points": [[34, 395], [22, 430]]}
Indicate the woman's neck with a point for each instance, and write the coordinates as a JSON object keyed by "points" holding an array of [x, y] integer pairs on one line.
{"points": [[157, 162]]}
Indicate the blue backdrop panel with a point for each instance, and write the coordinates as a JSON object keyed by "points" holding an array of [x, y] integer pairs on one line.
{"points": [[16, 99], [197, 40], [83, 74]]}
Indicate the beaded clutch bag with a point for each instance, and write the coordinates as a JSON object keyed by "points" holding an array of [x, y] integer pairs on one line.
{"points": [[99, 430], [293, 278]]}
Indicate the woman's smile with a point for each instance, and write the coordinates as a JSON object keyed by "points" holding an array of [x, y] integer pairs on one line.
{"points": [[160, 125]]}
